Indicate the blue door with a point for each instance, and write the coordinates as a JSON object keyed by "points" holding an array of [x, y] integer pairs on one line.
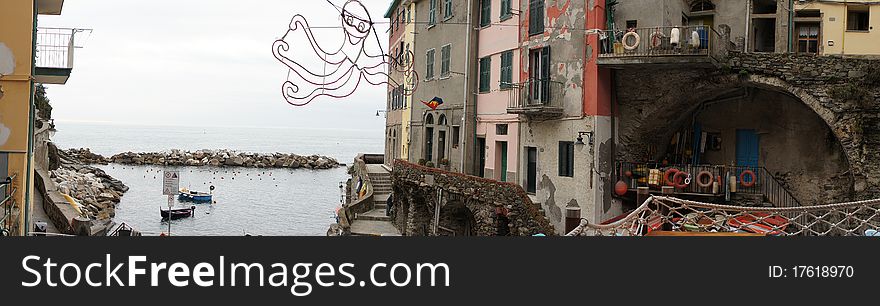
{"points": [[746, 148]]}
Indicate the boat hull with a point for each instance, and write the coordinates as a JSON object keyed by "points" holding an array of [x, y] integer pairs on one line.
{"points": [[174, 214]]}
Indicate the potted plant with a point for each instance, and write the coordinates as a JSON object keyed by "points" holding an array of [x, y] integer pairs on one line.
{"points": [[444, 163], [429, 164], [422, 162]]}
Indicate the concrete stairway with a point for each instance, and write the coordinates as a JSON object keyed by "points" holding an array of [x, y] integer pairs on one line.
{"points": [[374, 222]]}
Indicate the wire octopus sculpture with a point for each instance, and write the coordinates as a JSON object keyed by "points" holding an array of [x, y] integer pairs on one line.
{"points": [[317, 70]]}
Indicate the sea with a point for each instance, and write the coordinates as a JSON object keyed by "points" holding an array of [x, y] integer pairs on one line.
{"points": [[248, 201]]}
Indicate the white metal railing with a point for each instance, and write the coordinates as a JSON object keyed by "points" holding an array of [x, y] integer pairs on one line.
{"points": [[55, 46]]}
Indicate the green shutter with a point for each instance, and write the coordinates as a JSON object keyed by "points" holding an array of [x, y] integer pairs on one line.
{"points": [[485, 73], [486, 13], [506, 69]]}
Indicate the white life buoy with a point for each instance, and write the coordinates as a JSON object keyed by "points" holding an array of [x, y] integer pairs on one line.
{"points": [[635, 44], [695, 39], [674, 36]]}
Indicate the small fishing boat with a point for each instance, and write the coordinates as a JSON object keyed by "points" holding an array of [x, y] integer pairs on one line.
{"points": [[195, 196], [760, 223], [178, 213]]}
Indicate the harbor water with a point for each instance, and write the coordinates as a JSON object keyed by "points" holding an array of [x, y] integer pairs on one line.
{"points": [[254, 201]]}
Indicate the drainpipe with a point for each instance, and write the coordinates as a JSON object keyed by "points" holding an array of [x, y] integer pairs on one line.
{"points": [[26, 227], [748, 25], [790, 23], [467, 86]]}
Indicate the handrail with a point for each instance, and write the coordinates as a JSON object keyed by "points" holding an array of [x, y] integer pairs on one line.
{"points": [[657, 41], [766, 184], [536, 92]]}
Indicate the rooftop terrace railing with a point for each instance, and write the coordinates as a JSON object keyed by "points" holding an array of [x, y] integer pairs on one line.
{"points": [[695, 40]]}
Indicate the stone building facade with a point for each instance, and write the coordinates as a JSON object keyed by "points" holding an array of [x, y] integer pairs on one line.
{"points": [[445, 60]]}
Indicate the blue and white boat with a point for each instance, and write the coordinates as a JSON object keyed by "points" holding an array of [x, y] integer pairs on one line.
{"points": [[196, 196]]}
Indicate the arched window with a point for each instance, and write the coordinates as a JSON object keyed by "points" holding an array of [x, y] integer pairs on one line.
{"points": [[429, 119], [702, 5], [441, 120]]}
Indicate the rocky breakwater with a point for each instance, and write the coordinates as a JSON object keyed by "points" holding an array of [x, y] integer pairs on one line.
{"points": [[227, 158], [97, 192], [85, 156]]}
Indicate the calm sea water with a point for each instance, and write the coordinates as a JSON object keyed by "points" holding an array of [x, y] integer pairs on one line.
{"points": [[256, 201]]}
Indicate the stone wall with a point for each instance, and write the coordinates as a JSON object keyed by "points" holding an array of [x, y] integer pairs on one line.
{"points": [[470, 205], [845, 92], [653, 102]]}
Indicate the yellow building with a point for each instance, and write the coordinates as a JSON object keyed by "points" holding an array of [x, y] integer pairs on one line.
{"points": [[26, 58], [401, 15], [837, 27]]}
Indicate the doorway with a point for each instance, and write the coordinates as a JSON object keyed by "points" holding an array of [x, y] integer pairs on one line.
{"points": [[429, 144], [481, 147], [441, 145], [531, 169], [501, 160], [747, 149]]}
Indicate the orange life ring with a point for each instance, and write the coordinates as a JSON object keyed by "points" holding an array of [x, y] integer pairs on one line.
{"points": [[700, 179], [683, 176], [666, 176], [742, 178]]}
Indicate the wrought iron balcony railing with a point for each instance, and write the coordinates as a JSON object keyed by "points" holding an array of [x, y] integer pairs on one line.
{"points": [[539, 97], [697, 41], [55, 52]]}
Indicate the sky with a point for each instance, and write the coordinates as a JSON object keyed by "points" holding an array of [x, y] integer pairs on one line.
{"points": [[201, 62]]}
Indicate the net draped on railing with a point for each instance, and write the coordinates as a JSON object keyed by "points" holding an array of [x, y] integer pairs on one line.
{"points": [[658, 214]]}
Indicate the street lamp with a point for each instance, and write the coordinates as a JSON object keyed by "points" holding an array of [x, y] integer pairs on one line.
{"points": [[381, 111], [580, 138]]}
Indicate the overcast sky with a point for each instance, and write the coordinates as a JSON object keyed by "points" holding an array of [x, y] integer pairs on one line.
{"points": [[195, 62]]}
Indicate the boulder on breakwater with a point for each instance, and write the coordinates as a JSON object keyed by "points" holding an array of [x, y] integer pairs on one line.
{"points": [[215, 158]]}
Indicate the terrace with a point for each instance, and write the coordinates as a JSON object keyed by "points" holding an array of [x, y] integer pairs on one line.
{"points": [[661, 45]]}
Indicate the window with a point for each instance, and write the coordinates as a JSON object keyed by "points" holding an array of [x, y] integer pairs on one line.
{"points": [[632, 24], [429, 65], [456, 132], [506, 70], [408, 15], [702, 5], [444, 60], [485, 13], [536, 17], [566, 158], [808, 38], [447, 9], [763, 7], [485, 73], [531, 169], [432, 12], [857, 18], [539, 75], [501, 129], [506, 9]]}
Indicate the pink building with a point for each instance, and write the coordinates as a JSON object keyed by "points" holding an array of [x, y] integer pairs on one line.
{"points": [[498, 58]]}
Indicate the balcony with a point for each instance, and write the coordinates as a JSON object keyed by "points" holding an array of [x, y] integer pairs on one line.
{"points": [[537, 99], [696, 45], [54, 54], [49, 7]]}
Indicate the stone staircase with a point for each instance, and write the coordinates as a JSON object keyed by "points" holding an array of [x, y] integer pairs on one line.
{"points": [[374, 222]]}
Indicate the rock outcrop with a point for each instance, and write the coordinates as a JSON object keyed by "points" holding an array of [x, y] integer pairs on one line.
{"points": [[221, 158]]}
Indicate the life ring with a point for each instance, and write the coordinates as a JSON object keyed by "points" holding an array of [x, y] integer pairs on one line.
{"points": [[700, 179], [634, 45], [752, 176], [684, 180], [669, 180], [656, 39]]}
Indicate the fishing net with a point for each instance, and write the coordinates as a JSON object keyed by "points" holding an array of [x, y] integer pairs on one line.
{"points": [[665, 214]]}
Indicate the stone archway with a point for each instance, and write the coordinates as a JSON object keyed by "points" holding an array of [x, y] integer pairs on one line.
{"points": [[653, 107]]}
